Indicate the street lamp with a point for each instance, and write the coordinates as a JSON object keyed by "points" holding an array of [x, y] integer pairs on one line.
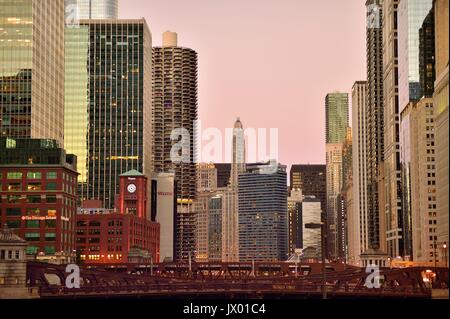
{"points": [[321, 225], [445, 253]]}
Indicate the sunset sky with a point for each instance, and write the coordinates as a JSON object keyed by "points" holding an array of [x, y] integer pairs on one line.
{"points": [[270, 62]]}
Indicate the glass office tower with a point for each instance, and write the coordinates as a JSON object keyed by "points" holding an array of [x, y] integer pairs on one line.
{"points": [[337, 117], [32, 69], [94, 9], [109, 103], [263, 220]]}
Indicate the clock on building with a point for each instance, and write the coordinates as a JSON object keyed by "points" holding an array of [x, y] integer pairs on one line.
{"points": [[131, 188]]}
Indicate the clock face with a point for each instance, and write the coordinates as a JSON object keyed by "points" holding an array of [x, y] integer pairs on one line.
{"points": [[131, 188]]}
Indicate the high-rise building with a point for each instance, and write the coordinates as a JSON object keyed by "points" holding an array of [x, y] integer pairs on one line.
{"points": [[206, 177], [410, 17], [334, 187], [215, 229], [295, 223], [230, 224], [201, 213], [223, 174], [358, 226], [427, 59], [174, 112], [238, 163], [440, 102], [311, 179], [311, 214], [118, 103], [337, 117], [38, 195], [32, 69], [263, 229], [374, 132], [93, 9], [342, 210], [337, 123], [164, 207], [392, 190], [423, 180]]}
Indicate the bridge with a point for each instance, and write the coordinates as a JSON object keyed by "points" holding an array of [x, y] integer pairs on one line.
{"points": [[233, 280]]}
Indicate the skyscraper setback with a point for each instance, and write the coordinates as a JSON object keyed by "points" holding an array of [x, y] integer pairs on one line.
{"points": [[32, 69], [173, 117]]}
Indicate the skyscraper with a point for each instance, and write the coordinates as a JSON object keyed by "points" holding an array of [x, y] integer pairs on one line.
{"points": [[359, 215], [295, 220], [311, 179], [336, 122], [423, 180], [32, 69], [374, 127], [441, 103], [427, 55], [174, 112], [334, 187], [118, 103], [263, 214], [238, 163], [337, 116], [391, 166], [94, 9], [411, 15], [310, 211]]}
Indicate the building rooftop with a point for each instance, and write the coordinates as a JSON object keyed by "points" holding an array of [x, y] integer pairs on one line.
{"points": [[132, 173], [7, 236]]}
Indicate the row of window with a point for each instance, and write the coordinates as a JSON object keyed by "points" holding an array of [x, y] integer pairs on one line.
{"points": [[31, 224], [30, 199], [50, 186], [17, 211], [37, 236], [30, 175]]}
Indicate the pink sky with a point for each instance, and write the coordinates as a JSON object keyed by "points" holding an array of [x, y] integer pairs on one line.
{"points": [[270, 62]]}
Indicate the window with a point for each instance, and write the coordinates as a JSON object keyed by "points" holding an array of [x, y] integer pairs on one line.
{"points": [[50, 236], [33, 199], [51, 186], [50, 223], [32, 236], [32, 224], [34, 175], [49, 250], [34, 186], [51, 175], [15, 186], [13, 212], [13, 199], [14, 175], [17, 253], [51, 198], [13, 223], [32, 250], [33, 212], [51, 212]]}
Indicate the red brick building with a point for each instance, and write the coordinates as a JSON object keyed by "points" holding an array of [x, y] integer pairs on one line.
{"points": [[38, 184], [121, 235]]}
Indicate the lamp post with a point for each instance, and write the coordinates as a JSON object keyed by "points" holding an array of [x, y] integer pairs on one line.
{"points": [[321, 225]]}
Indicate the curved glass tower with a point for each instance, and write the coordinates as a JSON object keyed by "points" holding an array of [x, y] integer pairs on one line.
{"points": [[95, 9]]}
